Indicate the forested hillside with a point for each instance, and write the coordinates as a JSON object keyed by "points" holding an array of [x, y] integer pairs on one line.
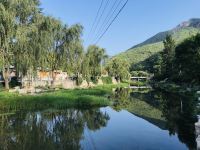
{"points": [[142, 56]]}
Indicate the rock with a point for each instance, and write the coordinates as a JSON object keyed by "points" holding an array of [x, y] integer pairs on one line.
{"points": [[197, 128], [32, 90], [198, 92], [17, 88], [114, 81], [56, 89], [68, 84], [91, 84], [84, 84], [12, 90], [22, 91], [198, 142], [38, 90], [100, 82]]}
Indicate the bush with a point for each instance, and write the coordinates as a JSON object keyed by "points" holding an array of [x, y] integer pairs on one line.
{"points": [[94, 80], [139, 73], [137, 83], [14, 82], [106, 80], [79, 81], [1, 86]]}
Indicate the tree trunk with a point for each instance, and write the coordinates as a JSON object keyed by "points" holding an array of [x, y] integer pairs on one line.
{"points": [[6, 78], [53, 78]]}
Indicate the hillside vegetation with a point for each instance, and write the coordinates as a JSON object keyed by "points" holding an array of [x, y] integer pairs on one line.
{"points": [[142, 56]]}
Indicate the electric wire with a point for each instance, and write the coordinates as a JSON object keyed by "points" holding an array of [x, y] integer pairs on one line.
{"points": [[101, 36]]}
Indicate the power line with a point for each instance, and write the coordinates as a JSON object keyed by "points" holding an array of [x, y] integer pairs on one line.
{"points": [[97, 15], [109, 17], [112, 21], [99, 19]]}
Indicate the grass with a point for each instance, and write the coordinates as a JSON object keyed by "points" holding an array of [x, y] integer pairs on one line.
{"points": [[93, 97]]}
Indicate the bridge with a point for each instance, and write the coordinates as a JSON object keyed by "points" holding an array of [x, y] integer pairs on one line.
{"points": [[138, 79]]}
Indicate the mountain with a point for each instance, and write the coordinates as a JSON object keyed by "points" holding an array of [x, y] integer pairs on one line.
{"points": [[142, 56]]}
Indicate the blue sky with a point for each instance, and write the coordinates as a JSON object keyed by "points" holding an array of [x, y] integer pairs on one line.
{"points": [[139, 20]]}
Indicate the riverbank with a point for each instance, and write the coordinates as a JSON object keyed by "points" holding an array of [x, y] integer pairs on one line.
{"points": [[91, 97]]}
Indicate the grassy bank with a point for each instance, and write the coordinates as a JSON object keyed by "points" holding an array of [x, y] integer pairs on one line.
{"points": [[92, 97]]}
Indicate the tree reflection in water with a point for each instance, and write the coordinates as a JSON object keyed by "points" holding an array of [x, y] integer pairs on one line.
{"points": [[50, 129], [181, 114], [65, 129], [171, 112]]}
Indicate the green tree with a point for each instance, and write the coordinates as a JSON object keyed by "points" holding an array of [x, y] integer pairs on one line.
{"points": [[168, 56], [157, 67], [93, 62], [119, 69], [7, 34], [187, 60], [25, 50]]}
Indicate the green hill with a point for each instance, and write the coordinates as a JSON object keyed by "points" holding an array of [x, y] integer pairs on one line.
{"points": [[142, 56]]}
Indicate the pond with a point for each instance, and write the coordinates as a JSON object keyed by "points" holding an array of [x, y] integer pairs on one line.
{"points": [[142, 120]]}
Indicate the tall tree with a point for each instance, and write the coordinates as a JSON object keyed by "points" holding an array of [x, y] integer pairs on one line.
{"points": [[119, 69], [93, 62], [25, 52], [187, 60], [168, 56], [7, 34]]}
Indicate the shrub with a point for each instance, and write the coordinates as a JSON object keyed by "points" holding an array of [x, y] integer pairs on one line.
{"points": [[14, 82], [139, 73], [137, 83], [94, 80], [106, 80], [79, 81], [1, 86]]}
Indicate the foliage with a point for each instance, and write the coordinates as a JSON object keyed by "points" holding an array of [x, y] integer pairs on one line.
{"points": [[96, 96], [68, 127], [144, 56], [93, 63], [167, 65], [106, 80], [139, 73], [118, 68], [187, 60], [180, 63], [138, 83], [14, 82], [31, 41], [79, 81]]}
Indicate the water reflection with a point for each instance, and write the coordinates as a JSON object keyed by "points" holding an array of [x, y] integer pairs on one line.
{"points": [[180, 115], [49, 129], [68, 129], [174, 113]]}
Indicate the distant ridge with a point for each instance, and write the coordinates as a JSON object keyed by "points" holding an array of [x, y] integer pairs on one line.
{"points": [[193, 23], [141, 56]]}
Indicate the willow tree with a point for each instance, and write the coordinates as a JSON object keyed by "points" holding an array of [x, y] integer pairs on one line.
{"points": [[16, 25], [62, 44], [93, 62], [118, 68], [74, 51], [7, 35], [27, 13]]}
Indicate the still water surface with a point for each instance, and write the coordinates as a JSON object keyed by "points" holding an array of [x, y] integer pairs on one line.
{"points": [[141, 121]]}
